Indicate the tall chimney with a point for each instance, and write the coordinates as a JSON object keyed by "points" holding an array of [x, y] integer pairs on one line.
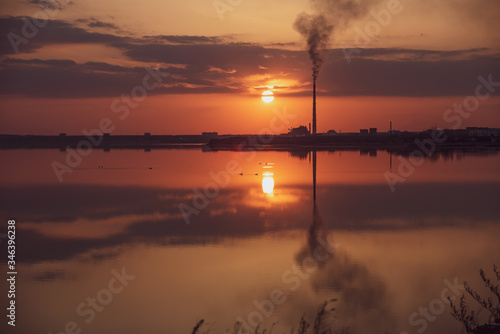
{"points": [[314, 107]]}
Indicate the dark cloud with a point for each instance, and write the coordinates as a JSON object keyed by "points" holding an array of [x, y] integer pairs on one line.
{"points": [[28, 78], [410, 76], [412, 54], [51, 4], [209, 65], [381, 211], [54, 32], [95, 23], [67, 79], [186, 39], [50, 62], [224, 56], [50, 275], [100, 24]]}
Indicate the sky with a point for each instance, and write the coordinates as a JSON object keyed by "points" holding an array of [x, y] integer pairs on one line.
{"points": [[183, 67]]}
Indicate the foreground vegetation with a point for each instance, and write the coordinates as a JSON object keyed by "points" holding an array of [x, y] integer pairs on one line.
{"points": [[469, 319], [319, 326]]}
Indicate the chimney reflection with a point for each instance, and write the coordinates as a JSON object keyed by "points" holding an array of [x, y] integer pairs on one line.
{"points": [[358, 291]]}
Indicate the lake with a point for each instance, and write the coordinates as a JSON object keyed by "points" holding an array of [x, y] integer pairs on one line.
{"points": [[154, 242]]}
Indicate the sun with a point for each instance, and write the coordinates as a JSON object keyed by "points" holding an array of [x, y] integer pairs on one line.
{"points": [[268, 96]]}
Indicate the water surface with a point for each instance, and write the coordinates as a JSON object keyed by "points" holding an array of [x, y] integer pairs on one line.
{"points": [[387, 254]]}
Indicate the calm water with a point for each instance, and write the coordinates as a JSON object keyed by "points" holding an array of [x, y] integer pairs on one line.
{"points": [[254, 251]]}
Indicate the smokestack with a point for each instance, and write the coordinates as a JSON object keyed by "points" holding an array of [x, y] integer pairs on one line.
{"points": [[319, 28], [314, 107]]}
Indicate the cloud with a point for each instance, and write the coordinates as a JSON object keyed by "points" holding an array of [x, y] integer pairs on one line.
{"points": [[419, 73], [54, 32], [143, 206], [94, 23], [53, 78], [50, 62], [50, 275], [204, 64], [186, 39], [50, 4]]}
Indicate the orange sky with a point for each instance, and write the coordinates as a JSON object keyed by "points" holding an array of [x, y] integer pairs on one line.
{"points": [[65, 78], [233, 114]]}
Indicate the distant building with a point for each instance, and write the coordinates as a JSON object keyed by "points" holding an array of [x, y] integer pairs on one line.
{"points": [[300, 131], [147, 134], [363, 131], [62, 134], [331, 132], [482, 132], [106, 134], [373, 131], [210, 134]]}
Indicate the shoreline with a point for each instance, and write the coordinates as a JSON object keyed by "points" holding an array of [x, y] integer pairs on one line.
{"points": [[455, 140]]}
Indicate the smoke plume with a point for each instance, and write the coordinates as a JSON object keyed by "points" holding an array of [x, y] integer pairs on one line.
{"points": [[317, 31], [330, 15]]}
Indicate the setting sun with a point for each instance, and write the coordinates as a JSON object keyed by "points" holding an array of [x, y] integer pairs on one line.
{"points": [[268, 96]]}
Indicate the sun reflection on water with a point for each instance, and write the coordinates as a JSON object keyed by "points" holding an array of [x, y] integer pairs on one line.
{"points": [[268, 183]]}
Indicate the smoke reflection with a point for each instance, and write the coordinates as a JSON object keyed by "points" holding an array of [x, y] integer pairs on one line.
{"points": [[362, 297]]}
